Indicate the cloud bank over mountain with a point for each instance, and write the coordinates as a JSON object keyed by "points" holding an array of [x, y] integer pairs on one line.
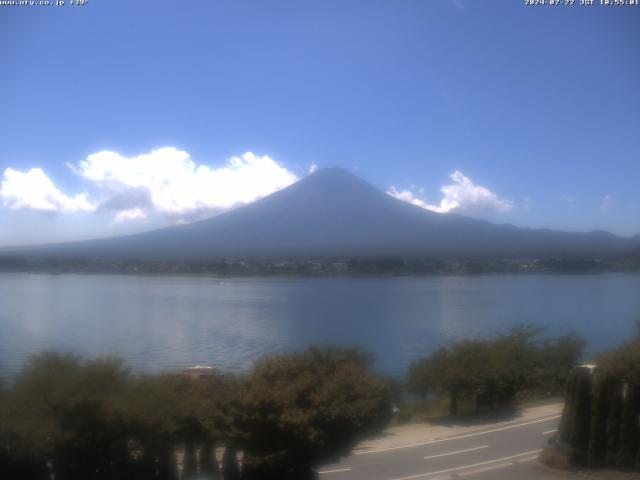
{"points": [[167, 181], [333, 213], [461, 195], [121, 194], [164, 181]]}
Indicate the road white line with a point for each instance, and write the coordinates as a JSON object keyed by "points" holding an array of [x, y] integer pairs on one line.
{"points": [[476, 471], [549, 431], [337, 470], [468, 435], [456, 452], [465, 467], [528, 459]]}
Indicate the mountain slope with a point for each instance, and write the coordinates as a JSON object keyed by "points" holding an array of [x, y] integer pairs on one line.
{"points": [[333, 212]]}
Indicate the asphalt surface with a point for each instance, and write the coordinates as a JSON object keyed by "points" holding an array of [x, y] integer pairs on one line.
{"points": [[503, 451]]}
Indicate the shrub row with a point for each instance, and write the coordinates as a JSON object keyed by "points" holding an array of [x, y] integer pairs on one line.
{"points": [[83, 420]]}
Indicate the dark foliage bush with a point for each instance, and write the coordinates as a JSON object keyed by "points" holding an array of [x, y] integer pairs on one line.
{"points": [[494, 372], [95, 420]]}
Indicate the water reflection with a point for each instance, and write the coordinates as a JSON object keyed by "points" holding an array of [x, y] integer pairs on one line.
{"points": [[167, 322]]}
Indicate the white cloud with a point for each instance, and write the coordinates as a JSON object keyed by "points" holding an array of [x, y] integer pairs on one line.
{"points": [[165, 181], [312, 168], [129, 215], [408, 196], [607, 202], [461, 195], [33, 190], [168, 181]]}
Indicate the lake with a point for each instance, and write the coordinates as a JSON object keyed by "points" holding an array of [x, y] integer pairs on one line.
{"points": [[158, 323]]}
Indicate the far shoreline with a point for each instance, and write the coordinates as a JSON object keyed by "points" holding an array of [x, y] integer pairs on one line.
{"points": [[323, 267]]}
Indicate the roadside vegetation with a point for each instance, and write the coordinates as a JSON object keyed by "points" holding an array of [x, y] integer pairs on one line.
{"points": [[480, 375], [81, 420], [93, 419]]}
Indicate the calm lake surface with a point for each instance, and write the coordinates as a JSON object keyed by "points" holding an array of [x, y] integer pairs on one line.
{"points": [[157, 323]]}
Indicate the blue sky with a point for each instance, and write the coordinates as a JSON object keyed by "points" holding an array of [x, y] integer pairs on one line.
{"points": [[121, 116]]}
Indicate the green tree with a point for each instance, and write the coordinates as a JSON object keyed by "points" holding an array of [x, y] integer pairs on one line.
{"points": [[465, 369], [308, 408], [210, 409], [59, 412], [152, 407], [494, 371], [422, 378], [556, 358]]}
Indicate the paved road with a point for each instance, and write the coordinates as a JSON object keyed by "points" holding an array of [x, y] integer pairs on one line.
{"points": [[505, 448]]}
